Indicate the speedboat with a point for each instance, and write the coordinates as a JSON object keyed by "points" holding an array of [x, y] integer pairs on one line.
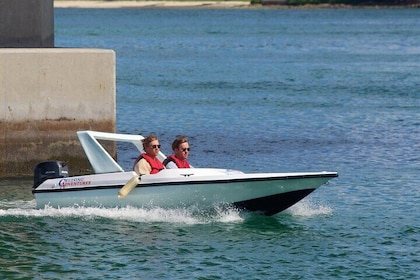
{"points": [[111, 186]]}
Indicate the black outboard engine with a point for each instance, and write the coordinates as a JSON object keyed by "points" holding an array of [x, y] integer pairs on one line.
{"points": [[49, 170]]}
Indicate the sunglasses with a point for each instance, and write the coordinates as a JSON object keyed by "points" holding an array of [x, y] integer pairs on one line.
{"points": [[155, 146], [185, 149]]}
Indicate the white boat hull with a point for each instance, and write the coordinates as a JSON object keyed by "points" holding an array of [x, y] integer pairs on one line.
{"points": [[268, 193]]}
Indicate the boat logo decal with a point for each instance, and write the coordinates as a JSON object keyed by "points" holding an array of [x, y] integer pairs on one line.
{"points": [[73, 182]]}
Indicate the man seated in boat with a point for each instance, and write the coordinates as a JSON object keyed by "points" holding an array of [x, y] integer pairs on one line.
{"points": [[178, 159], [148, 162]]}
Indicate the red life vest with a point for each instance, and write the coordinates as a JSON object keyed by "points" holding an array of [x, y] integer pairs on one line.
{"points": [[155, 163], [180, 163]]}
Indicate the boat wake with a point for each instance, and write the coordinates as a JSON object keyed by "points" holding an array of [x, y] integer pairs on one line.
{"points": [[188, 215]]}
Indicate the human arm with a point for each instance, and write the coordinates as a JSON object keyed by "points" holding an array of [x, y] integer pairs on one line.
{"points": [[142, 167], [171, 165]]}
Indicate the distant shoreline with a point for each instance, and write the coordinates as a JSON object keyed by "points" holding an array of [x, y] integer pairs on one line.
{"points": [[103, 4], [151, 4]]}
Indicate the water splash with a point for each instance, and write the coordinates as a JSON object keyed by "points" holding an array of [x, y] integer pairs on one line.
{"points": [[307, 208], [182, 215], [188, 215]]}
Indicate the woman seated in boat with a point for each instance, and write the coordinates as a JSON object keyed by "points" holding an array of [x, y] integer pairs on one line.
{"points": [[178, 159], [148, 162]]}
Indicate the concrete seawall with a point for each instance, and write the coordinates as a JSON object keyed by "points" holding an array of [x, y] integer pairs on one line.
{"points": [[46, 95], [26, 23]]}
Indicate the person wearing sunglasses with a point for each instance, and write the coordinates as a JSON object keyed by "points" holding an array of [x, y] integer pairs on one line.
{"points": [[178, 159], [148, 162]]}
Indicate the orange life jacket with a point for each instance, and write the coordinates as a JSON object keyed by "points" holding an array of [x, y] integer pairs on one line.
{"points": [[155, 163], [180, 163]]}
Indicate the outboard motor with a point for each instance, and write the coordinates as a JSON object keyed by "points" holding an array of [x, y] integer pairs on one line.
{"points": [[49, 170]]}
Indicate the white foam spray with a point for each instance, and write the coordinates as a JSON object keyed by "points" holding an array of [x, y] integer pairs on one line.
{"points": [[189, 215], [307, 208]]}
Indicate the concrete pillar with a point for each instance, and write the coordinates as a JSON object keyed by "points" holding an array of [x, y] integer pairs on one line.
{"points": [[26, 23], [46, 95]]}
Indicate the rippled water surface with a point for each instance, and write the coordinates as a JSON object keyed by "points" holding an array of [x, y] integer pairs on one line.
{"points": [[255, 90]]}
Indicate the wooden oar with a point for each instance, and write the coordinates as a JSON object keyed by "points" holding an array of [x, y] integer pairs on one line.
{"points": [[131, 184]]}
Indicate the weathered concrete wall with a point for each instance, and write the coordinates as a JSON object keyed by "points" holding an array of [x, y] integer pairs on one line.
{"points": [[26, 23], [46, 95]]}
